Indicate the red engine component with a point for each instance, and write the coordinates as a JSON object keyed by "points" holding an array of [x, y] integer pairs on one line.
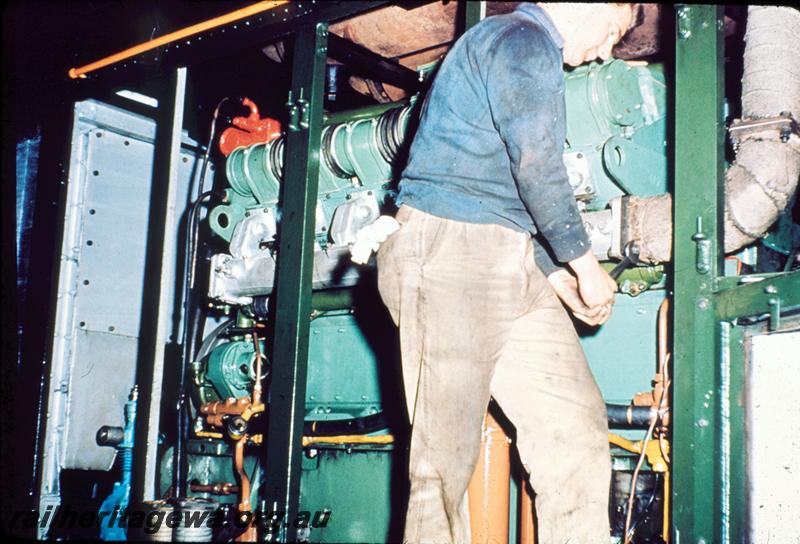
{"points": [[248, 130]]}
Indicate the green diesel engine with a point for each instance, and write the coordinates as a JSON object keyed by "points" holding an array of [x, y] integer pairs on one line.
{"points": [[615, 146]]}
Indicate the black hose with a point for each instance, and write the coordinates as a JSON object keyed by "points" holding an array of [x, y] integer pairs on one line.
{"points": [[643, 511], [206, 155], [629, 417], [210, 340], [190, 318], [190, 325], [356, 425]]}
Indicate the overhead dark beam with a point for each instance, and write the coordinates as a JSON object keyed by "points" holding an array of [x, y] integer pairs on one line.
{"points": [[372, 64]]}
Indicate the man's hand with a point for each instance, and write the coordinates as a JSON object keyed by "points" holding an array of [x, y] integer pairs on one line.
{"points": [[566, 287], [595, 286]]}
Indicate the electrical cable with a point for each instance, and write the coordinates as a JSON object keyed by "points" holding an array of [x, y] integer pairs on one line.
{"points": [[628, 534], [190, 324], [257, 385], [650, 502], [357, 425], [190, 318], [664, 396], [207, 154], [191, 238], [663, 370], [211, 339]]}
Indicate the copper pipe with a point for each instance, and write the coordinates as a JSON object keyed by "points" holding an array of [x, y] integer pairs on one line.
{"points": [[663, 312], [238, 463], [257, 386], [249, 535], [215, 412], [527, 525], [219, 488], [488, 490]]}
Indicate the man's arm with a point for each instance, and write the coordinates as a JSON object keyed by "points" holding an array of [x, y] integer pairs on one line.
{"points": [[565, 285], [525, 88], [543, 259]]}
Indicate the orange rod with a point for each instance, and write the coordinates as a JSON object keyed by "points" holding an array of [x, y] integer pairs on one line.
{"points": [[527, 528], [488, 489], [244, 487], [663, 312], [250, 534], [197, 28]]}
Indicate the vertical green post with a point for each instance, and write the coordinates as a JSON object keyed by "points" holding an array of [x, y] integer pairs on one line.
{"points": [[474, 12], [294, 274], [697, 236]]}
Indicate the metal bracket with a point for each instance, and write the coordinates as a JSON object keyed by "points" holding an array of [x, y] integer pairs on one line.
{"points": [[684, 23], [784, 124], [298, 112], [703, 254], [774, 304], [302, 104], [294, 113]]}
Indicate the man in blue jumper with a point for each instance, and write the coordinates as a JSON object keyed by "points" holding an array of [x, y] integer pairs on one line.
{"points": [[469, 289]]}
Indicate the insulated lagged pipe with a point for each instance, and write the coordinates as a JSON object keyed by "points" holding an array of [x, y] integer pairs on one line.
{"points": [[761, 182]]}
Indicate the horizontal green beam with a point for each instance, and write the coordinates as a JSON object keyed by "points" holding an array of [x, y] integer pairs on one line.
{"points": [[724, 283], [760, 297]]}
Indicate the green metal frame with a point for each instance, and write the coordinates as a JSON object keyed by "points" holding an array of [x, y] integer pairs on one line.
{"points": [[699, 169], [294, 269], [708, 491], [295, 262], [473, 13], [773, 295]]}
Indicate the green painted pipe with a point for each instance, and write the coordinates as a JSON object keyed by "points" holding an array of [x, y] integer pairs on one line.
{"points": [[367, 112]]}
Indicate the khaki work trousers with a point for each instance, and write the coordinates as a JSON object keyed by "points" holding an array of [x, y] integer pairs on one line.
{"points": [[478, 319]]}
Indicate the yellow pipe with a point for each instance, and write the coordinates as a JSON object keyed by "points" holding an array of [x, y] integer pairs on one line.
{"points": [[197, 28], [348, 439], [208, 434], [653, 451], [310, 440], [624, 443]]}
